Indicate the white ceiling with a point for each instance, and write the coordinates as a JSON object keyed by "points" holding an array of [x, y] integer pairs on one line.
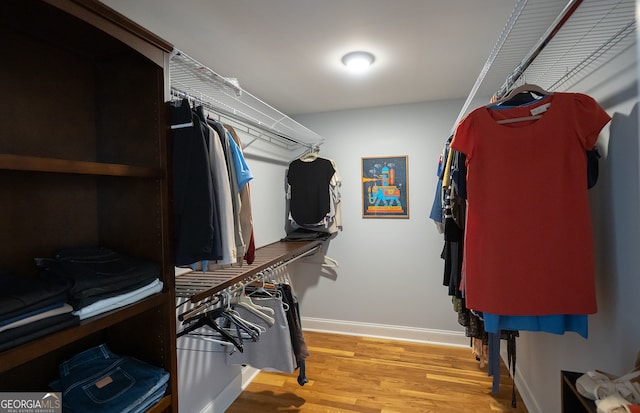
{"points": [[287, 52]]}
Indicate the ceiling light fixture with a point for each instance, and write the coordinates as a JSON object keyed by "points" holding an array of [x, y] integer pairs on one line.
{"points": [[358, 61]]}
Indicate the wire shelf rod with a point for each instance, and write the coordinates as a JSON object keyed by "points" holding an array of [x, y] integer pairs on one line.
{"points": [[192, 78]]}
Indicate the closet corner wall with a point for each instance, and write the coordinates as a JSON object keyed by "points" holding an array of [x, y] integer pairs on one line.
{"points": [[83, 162]]}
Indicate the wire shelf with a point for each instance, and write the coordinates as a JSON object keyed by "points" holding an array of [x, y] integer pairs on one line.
{"points": [[560, 53], [192, 80]]}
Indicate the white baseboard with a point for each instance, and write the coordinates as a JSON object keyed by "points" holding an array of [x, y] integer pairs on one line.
{"points": [[232, 391], [523, 388], [422, 335]]}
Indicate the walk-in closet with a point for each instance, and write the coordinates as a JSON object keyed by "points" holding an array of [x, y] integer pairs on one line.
{"points": [[368, 206]]}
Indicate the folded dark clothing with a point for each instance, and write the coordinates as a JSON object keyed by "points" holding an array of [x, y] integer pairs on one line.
{"points": [[302, 234], [35, 312], [24, 295], [23, 334], [96, 271], [86, 301]]}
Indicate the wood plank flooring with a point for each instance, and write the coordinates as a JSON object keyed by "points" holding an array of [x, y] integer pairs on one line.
{"points": [[349, 374]]}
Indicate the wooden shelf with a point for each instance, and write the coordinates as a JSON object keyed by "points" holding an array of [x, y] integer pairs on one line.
{"points": [[40, 164], [161, 405], [43, 345], [199, 285]]}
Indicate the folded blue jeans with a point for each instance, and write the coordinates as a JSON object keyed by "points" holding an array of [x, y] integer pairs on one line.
{"points": [[97, 380]]}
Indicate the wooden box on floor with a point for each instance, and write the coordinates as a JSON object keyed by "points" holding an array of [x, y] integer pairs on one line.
{"points": [[572, 401]]}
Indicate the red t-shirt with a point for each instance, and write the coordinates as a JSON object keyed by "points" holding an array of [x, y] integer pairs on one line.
{"points": [[528, 241]]}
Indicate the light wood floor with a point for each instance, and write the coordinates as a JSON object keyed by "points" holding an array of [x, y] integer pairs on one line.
{"points": [[367, 375]]}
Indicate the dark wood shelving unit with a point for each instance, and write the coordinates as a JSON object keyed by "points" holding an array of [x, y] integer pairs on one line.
{"points": [[40, 164], [84, 162]]}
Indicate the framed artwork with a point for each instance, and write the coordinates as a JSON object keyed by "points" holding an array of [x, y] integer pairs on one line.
{"points": [[385, 187]]}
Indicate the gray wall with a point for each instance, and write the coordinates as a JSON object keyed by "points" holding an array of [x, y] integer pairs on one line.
{"points": [[390, 271]]}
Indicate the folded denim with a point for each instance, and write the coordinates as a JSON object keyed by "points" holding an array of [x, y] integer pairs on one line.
{"points": [[98, 380], [151, 400], [23, 295], [20, 335], [98, 270]]}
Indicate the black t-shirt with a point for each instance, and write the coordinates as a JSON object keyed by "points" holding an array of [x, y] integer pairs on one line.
{"points": [[309, 181]]}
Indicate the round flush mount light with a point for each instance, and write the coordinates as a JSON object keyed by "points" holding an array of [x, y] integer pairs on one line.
{"points": [[358, 61]]}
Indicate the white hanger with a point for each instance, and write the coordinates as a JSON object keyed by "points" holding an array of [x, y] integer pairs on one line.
{"points": [[309, 157], [245, 302], [333, 263], [524, 88], [522, 119], [311, 154], [261, 289], [327, 262], [237, 315]]}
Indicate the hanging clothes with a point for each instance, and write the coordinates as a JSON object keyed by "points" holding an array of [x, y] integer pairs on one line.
{"points": [[195, 211], [282, 346], [234, 189], [223, 193], [528, 240], [436, 213], [273, 351], [295, 330], [211, 200], [244, 176], [555, 323], [313, 192]]}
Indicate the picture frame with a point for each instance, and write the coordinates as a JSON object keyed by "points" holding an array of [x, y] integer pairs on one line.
{"points": [[385, 187]]}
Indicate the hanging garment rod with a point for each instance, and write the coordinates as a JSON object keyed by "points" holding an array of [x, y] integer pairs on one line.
{"points": [[193, 80], [201, 306], [238, 284], [255, 130], [564, 16], [563, 43], [199, 285], [598, 32]]}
